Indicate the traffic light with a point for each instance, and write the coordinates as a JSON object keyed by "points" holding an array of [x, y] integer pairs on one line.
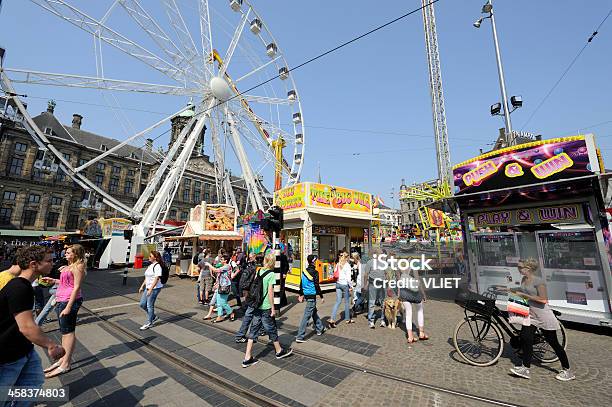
{"points": [[275, 222]]}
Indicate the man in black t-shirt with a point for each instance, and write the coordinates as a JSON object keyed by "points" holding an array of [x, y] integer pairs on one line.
{"points": [[20, 365]]}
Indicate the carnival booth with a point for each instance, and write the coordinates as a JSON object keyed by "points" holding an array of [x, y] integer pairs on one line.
{"points": [[540, 200], [322, 219], [210, 226], [113, 243]]}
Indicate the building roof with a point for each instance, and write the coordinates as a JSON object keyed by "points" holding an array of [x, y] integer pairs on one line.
{"points": [[90, 140]]}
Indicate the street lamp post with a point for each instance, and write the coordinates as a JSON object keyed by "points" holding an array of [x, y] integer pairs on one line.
{"points": [[488, 8]]}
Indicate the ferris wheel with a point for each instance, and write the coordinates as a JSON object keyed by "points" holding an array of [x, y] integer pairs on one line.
{"points": [[221, 62]]}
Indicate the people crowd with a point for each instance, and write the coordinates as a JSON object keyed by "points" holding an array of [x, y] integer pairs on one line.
{"points": [[232, 284]]}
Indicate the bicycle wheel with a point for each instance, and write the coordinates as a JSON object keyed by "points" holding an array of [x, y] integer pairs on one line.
{"points": [[542, 351], [478, 341]]}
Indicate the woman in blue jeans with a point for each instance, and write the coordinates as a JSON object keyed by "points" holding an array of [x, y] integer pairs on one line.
{"points": [[150, 288], [343, 289]]}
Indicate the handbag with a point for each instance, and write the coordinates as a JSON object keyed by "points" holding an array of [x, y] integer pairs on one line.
{"points": [[517, 305], [225, 285], [336, 272]]}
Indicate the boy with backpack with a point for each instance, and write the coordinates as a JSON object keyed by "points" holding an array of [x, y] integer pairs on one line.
{"points": [[246, 280], [309, 289], [262, 297]]}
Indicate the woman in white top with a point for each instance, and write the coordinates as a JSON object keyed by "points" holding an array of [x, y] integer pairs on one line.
{"points": [[343, 288], [150, 288]]}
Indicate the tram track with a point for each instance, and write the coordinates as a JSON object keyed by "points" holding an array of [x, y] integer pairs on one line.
{"points": [[244, 396], [321, 358]]}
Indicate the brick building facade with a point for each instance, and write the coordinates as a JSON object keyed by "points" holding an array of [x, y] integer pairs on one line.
{"points": [[35, 199]]}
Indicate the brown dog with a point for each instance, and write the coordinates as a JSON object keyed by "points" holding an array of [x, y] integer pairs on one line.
{"points": [[392, 307]]}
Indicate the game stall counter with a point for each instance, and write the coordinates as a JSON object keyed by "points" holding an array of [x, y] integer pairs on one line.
{"points": [[540, 200], [210, 226], [322, 219]]}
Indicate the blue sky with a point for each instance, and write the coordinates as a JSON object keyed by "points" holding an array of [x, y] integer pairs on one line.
{"points": [[367, 106]]}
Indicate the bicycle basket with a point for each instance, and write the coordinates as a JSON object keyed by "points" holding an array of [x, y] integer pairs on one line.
{"points": [[474, 302]]}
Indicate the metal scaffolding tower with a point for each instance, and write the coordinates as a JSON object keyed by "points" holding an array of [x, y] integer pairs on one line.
{"points": [[437, 96]]}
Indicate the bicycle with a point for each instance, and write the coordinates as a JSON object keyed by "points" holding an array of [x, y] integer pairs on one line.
{"points": [[479, 338]]}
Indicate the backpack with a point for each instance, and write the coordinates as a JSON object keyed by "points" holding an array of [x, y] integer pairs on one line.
{"points": [[256, 294], [246, 277], [165, 273]]}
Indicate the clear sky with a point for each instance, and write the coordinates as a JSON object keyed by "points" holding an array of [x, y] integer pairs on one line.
{"points": [[367, 106]]}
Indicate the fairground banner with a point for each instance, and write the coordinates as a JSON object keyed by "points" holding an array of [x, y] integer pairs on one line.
{"points": [[291, 198], [525, 164], [529, 216], [327, 196]]}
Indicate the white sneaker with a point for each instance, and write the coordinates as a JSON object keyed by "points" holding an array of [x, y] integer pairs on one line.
{"points": [[155, 320], [371, 325], [145, 327], [382, 324], [300, 340], [521, 371], [565, 375]]}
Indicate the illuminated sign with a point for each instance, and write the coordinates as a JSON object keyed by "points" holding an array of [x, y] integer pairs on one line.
{"points": [[292, 197], [531, 216], [526, 164]]}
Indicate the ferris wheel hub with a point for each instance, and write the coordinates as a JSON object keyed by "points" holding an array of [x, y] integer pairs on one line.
{"points": [[220, 88]]}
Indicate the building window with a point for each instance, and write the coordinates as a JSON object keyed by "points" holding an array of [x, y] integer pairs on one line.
{"points": [[66, 156], [172, 214], [37, 174], [61, 175], [129, 186], [197, 184], [21, 147], [99, 180], [75, 203], [52, 219], [206, 196], [186, 194], [16, 166], [184, 215], [40, 154], [9, 195], [34, 198], [113, 186], [131, 173], [187, 182], [56, 200], [29, 217], [73, 222], [100, 166], [116, 169], [82, 161], [196, 196], [48, 131], [145, 175], [5, 216]]}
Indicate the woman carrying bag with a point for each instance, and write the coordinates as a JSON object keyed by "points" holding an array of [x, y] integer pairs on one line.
{"points": [[413, 294], [342, 273], [541, 316], [224, 287]]}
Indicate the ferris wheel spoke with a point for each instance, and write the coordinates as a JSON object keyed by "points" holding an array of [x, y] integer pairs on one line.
{"points": [[182, 32], [206, 37], [80, 81], [247, 172], [128, 140], [267, 100], [219, 166], [232, 47], [159, 36], [94, 27], [259, 68]]}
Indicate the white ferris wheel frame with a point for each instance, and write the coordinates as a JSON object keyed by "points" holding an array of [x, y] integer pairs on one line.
{"points": [[193, 69]]}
